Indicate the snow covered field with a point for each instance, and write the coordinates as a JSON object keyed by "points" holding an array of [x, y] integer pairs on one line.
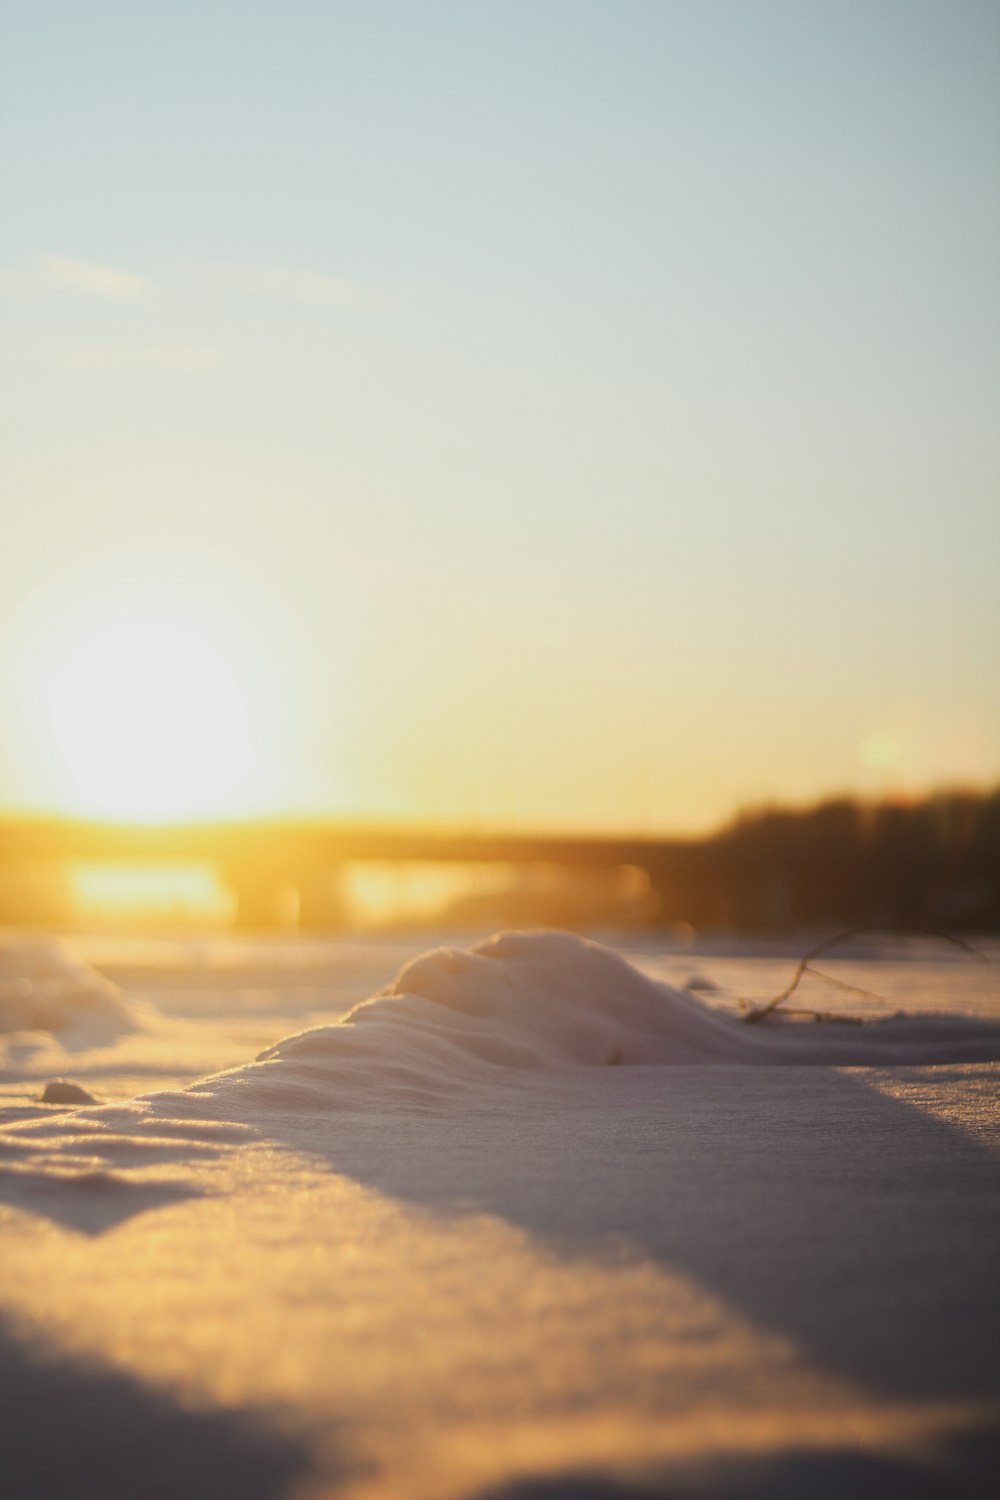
{"points": [[543, 1219]]}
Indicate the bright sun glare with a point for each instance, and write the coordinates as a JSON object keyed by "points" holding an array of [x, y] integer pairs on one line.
{"points": [[150, 722]]}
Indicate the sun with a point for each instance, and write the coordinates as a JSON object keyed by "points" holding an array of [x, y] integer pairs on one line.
{"points": [[150, 722], [165, 684]]}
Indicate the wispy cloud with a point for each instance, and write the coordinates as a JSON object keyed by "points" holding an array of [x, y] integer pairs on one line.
{"points": [[89, 279], [313, 288], [173, 358], [106, 283]]}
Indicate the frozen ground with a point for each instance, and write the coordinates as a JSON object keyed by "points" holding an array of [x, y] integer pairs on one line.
{"points": [[536, 1222]]}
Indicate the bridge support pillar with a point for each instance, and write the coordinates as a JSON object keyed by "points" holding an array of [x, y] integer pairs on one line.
{"points": [[261, 899], [323, 903]]}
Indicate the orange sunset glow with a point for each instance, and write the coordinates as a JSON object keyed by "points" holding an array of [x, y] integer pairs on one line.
{"points": [[499, 749]]}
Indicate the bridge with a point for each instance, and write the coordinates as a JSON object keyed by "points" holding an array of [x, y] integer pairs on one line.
{"points": [[259, 861]]}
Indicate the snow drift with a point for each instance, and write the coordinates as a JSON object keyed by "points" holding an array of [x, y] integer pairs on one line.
{"points": [[44, 988], [537, 1003]]}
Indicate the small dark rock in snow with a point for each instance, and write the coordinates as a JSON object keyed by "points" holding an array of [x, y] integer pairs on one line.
{"points": [[701, 982], [65, 1091]]}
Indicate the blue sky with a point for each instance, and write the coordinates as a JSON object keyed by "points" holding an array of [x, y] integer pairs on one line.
{"points": [[597, 403]]}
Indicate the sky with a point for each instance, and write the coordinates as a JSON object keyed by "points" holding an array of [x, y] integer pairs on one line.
{"points": [[553, 415]]}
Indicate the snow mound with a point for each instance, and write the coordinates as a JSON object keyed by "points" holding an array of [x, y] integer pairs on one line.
{"points": [[526, 1003], [44, 988], [65, 1091]]}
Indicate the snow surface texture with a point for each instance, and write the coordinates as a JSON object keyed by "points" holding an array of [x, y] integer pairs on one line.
{"points": [[483, 1240]]}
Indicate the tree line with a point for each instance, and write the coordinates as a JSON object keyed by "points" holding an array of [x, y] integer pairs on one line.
{"points": [[928, 864]]}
